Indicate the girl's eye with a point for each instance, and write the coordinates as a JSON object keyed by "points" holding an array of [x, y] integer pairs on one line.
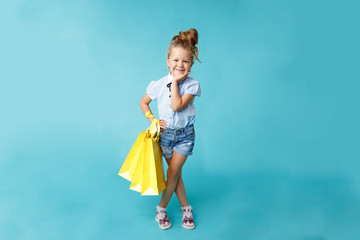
{"points": [[186, 61], [175, 60]]}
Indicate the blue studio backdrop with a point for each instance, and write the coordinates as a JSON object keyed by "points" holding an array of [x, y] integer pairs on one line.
{"points": [[277, 125]]}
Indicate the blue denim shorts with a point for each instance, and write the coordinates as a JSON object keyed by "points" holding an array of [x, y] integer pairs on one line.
{"points": [[178, 140]]}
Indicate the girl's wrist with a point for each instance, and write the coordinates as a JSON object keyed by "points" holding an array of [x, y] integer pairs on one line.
{"points": [[149, 114]]}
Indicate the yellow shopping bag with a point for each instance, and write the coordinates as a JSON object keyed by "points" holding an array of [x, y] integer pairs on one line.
{"points": [[152, 182], [128, 168], [139, 169], [143, 166]]}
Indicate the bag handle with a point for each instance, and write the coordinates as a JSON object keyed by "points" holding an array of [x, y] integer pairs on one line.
{"points": [[154, 129], [157, 134]]}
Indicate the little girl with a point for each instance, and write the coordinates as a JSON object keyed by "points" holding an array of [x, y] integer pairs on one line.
{"points": [[175, 94]]}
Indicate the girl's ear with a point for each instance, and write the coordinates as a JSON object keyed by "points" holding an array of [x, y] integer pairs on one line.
{"points": [[167, 62]]}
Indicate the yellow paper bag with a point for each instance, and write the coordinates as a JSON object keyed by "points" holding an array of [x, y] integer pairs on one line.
{"points": [[128, 168], [152, 181], [143, 166], [138, 172]]}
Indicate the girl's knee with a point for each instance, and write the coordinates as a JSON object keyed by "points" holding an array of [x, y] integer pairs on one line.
{"points": [[172, 173]]}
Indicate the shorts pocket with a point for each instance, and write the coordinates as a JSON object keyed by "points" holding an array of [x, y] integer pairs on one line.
{"points": [[162, 133]]}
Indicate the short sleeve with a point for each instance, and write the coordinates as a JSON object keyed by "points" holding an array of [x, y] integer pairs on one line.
{"points": [[193, 88], [151, 90]]}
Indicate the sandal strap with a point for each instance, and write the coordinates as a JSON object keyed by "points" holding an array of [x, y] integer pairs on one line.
{"points": [[186, 210], [165, 219], [188, 220]]}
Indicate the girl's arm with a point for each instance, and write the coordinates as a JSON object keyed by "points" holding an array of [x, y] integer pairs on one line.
{"points": [[177, 102], [144, 105]]}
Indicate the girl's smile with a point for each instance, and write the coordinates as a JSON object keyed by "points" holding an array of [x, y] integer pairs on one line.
{"points": [[179, 61]]}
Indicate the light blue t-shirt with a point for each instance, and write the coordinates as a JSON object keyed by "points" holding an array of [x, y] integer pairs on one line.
{"points": [[161, 91]]}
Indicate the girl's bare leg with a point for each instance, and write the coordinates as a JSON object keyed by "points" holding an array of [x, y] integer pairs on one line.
{"points": [[180, 189], [173, 174]]}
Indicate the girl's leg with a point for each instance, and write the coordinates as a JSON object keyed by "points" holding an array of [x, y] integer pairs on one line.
{"points": [[173, 174], [180, 189]]}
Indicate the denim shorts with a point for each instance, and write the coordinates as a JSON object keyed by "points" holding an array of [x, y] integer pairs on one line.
{"points": [[178, 140]]}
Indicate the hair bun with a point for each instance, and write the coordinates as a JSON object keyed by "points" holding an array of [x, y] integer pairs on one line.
{"points": [[190, 35]]}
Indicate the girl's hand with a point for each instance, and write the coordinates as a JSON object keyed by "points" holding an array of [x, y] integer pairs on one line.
{"points": [[181, 77], [163, 124]]}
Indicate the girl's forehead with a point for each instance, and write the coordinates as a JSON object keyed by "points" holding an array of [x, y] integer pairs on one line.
{"points": [[180, 51]]}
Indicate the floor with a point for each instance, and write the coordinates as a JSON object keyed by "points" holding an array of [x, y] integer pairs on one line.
{"points": [[85, 199]]}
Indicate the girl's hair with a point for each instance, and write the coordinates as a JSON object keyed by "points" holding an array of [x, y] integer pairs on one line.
{"points": [[187, 40]]}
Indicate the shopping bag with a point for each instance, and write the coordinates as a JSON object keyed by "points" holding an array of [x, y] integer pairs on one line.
{"points": [[128, 167], [138, 171], [143, 166], [152, 181]]}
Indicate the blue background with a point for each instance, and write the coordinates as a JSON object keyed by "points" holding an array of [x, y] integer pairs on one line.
{"points": [[277, 149]]}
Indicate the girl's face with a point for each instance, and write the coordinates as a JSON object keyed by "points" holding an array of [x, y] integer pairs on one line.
{"points": [[179, 61]]}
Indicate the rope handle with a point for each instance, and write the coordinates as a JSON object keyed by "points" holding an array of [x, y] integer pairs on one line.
{"points": [[154, 129]]}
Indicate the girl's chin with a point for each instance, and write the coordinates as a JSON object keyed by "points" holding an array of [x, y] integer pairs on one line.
{"points": [[179, 72], [176, 74]]}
